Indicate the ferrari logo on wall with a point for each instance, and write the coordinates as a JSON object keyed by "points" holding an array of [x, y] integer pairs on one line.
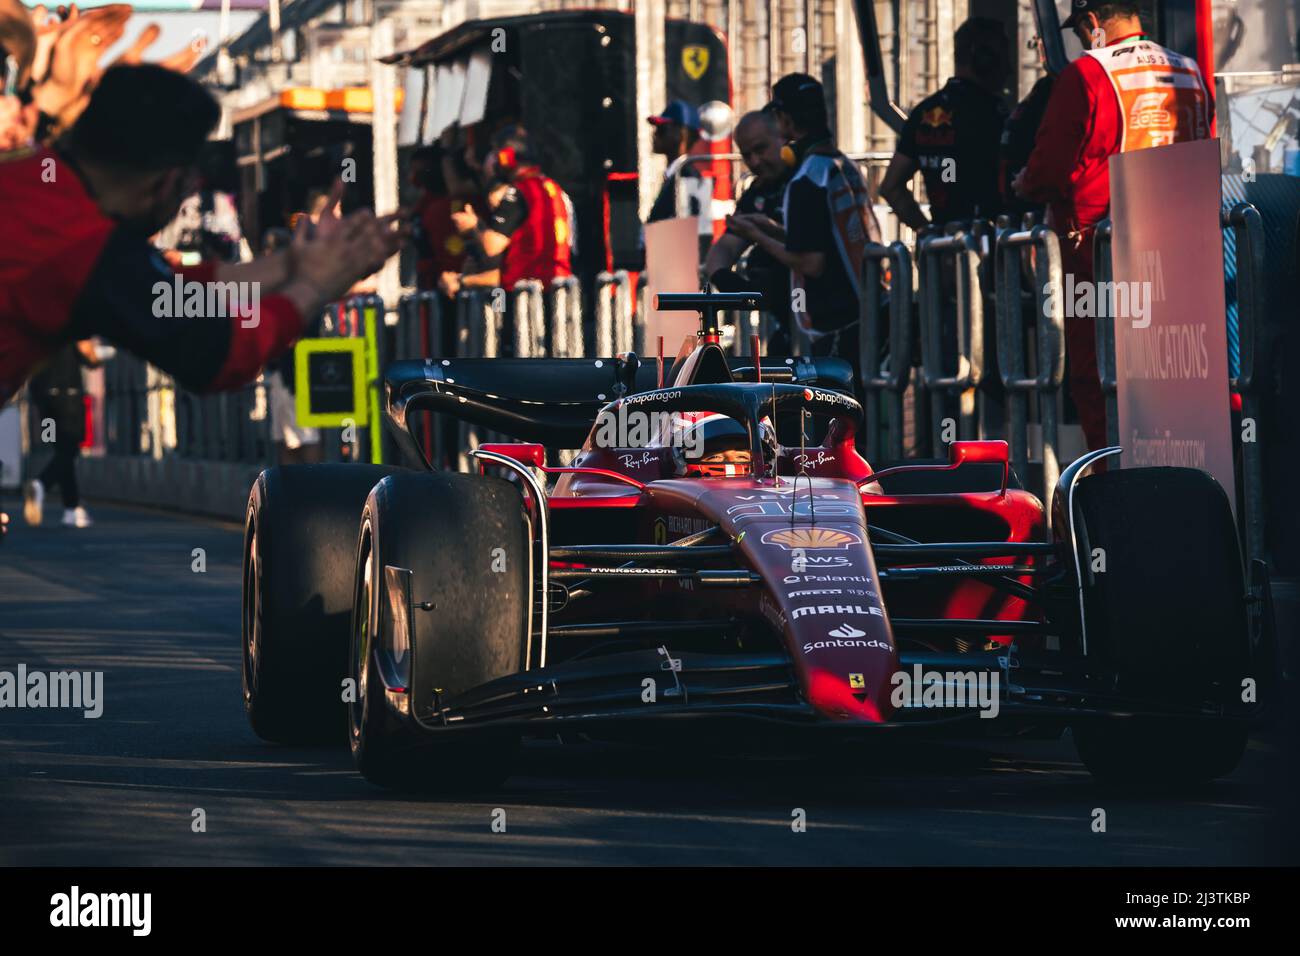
{"points": [[695, 60]]}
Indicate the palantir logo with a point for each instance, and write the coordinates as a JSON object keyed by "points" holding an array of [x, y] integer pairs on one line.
{"points": [[76, 909]]}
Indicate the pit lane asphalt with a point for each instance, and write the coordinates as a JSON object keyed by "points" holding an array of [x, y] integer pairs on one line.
{"points": [[120, 790]]}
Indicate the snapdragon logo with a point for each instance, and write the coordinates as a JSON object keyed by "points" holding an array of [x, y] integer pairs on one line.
{"points": [[1098, 300], [208, 300], [76, 909], [630, 428], [947, 690], [75, 690]]}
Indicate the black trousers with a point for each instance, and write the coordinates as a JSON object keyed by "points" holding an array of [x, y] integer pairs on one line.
{"points": [[61, 470]]}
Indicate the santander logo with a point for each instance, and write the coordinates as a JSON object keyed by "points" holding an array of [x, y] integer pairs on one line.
{"points": [[846, 630]]}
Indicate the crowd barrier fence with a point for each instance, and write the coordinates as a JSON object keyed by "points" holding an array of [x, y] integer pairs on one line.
{"points": [[1044, 382], [884, 383]]}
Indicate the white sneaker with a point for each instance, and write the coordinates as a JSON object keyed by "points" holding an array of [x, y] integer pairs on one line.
{"points": [[34, 502], [76, 517]]}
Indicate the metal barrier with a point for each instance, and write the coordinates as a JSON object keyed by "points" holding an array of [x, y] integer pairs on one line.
{"points": [[478, 332], [566, 317], [885, 384], [419, 326], [529, 319], [1104, 331], [146, 414], [639, 309], [613, 313], [1050, 337], [419, 335], [1248, 228], [969, 328]]}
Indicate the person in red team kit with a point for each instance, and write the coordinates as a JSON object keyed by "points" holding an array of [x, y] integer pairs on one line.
{"points": [[75, 258], [1125, 93], [527, 235]]}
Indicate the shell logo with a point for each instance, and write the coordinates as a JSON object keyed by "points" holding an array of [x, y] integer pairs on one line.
{"points": [[812, 539]]}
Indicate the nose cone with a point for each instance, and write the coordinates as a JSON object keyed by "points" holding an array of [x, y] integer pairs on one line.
{"points": [[838, 696]]}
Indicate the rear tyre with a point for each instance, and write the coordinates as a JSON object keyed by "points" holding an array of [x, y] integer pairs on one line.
{"points": [[466, 541], [299, 551], [1166, 623]]}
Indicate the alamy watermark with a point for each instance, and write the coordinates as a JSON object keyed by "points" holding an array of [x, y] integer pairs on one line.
{"points": [[632, 428], [183, 298], [1086, 299], [21, 689], [947, 690]]}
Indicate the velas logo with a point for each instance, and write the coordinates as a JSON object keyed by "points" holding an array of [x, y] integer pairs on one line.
{"points": [[811, 539]]}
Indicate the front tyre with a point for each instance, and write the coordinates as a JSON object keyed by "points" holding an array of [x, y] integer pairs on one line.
{"points": [[466, 542], [1152, 752]]}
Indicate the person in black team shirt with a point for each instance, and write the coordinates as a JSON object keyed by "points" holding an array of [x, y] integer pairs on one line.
{"points": [[951, 137], [1018, 135], [759, 141], [828, 221]]}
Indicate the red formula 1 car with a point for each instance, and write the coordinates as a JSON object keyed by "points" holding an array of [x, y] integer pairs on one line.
{"points": [[703, 559]]}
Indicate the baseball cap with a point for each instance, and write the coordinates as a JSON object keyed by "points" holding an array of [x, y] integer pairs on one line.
{"points": [[679, 112], [796, 93], [1077, 9]]}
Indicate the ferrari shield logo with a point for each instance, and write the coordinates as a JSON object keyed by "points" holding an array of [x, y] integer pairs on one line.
{"points": [[857, 682], [661, 531], [695, 60]]}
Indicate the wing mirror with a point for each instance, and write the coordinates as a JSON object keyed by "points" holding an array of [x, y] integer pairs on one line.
{"points": [[978, 452], [523, 452]]}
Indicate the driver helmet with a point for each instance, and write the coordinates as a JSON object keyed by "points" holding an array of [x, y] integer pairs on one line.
{"points": [[710, 445]]}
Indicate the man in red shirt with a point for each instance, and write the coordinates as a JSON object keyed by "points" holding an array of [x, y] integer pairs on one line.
{"points": [[528, 232], [76, 262], [1126, 92], [438, 247]]}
